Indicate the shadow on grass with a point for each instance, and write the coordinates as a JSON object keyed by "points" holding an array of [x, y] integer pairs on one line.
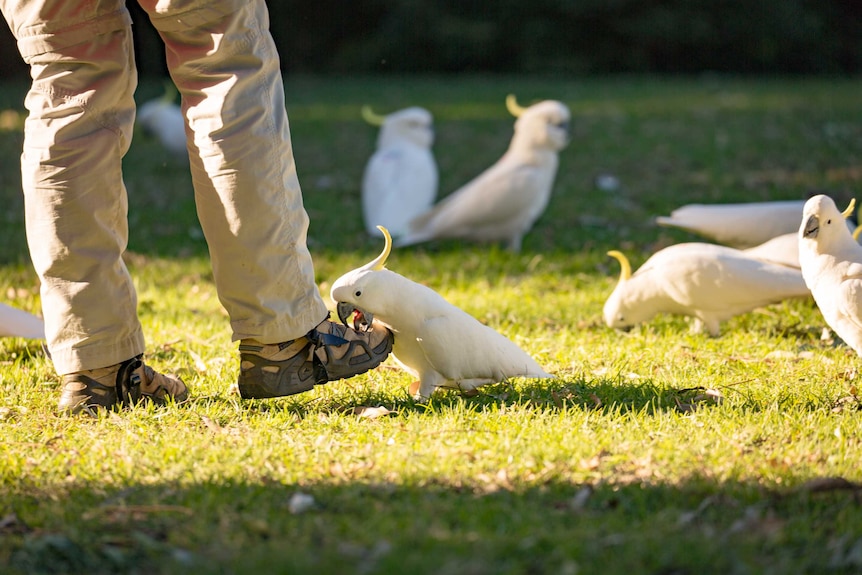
{"points": [[616, 398], [476, 526]]}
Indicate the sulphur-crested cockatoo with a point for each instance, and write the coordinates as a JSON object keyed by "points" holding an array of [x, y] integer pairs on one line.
{"points": [[708, 282], [737, 225], [18, 323], [435, 341], [831, 261], [164, 119], [400, 179], [504, 201]]}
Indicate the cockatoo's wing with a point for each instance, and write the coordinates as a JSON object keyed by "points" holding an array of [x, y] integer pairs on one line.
{"points": [[722, 278], [782, 250], [738, 225], [467, 350], [849, 296], [491, 200], [18, 323]]}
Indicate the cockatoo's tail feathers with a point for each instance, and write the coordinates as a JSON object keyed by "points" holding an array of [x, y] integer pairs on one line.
{"points": [[849, 211], [512, 105], [379, 262], [369, 116], [625, 266]]}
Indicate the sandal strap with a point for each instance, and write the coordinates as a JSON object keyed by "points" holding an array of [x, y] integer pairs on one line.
{"points": [[128, 382]]}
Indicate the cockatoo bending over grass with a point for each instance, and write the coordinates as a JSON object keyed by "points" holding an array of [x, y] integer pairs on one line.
{"points": [[435, 341], [831, 261], [504, 201], [18, 323], [400, 178], [707, 282], [737, 225]]}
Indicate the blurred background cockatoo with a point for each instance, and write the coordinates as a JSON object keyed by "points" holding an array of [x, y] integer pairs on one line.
{"points": [[400, 178], [435, 341], [504, 201], [708, 282], [18, 323], [742, 225], [163, 119], [831, 261]]}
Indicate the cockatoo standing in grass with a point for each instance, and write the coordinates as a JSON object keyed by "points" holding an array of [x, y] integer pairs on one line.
{"points": [[831, 261], [707, 282], [18, 323], [503, 202], [400, 179], [737, 225], [435, 341], [164, 119]]}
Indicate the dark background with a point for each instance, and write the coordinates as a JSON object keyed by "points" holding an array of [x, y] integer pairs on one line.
{"points": [[545, 36]]}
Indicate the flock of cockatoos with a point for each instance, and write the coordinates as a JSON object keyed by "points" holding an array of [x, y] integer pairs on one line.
{"points": [[771, 251]]}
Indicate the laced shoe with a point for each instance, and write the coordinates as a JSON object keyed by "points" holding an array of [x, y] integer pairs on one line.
{"points": [[328, 352], [121, 385]]}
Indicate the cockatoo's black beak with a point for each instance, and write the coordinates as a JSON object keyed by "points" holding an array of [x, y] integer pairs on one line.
{"points": [[812, 227], [344, 310], [361, 319]]}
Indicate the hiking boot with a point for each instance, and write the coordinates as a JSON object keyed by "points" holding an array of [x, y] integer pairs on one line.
{"points": [[120, 385], [328, 352]]}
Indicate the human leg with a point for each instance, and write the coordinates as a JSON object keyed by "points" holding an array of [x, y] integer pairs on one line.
{"points": [[224, 63], [81, 114]]}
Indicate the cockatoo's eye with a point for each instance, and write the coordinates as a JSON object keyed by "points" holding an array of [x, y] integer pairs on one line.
{"points": [[358, 293], [828, 222]]}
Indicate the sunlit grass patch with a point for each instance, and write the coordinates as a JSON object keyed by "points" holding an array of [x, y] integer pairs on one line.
{"points": [[652, 451]]}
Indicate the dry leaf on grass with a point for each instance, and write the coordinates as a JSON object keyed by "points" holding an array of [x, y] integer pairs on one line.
{"points": [[779, 354], [372, 412], [200, 364], [709, 395], [300, 503], [211, 425], [579, 500]]}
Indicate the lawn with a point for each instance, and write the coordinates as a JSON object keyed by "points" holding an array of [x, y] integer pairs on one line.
{"points": [[655, 451]]}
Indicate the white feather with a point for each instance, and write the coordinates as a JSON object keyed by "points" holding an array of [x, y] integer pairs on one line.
{"points": [[831, 263], [18, 323], [737, 225], [782, 250], [400, 178], [503, 202], [435, 341], [164, 120], [707, 282]]}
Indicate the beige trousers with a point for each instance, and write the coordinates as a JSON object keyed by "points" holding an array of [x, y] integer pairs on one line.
{"points": [[81, 113]]}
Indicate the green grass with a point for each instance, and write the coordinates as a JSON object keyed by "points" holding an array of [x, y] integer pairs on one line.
{"points": [[624, 464]]}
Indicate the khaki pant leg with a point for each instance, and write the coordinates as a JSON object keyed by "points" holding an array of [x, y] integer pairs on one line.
{"points": [[79, 126], [224, 62]]}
